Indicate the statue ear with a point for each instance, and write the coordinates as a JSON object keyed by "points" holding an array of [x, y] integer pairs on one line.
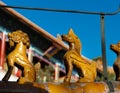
{"points": [[71, 32]]}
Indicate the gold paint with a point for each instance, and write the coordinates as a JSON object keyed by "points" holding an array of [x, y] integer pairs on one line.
{"points": [[21, 42], [87, 70]]}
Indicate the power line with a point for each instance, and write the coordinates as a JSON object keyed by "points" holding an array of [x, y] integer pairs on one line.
{"points": [[58, 10]]}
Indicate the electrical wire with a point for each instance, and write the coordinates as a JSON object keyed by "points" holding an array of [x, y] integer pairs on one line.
{"points": [[58, 10]]}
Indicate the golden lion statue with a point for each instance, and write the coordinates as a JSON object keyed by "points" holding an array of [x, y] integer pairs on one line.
{"points": [[18, 57], [86, 70]]}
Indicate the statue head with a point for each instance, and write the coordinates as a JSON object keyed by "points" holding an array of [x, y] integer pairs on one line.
{"points": [[70, 37], [17, 37], [115, 47]]}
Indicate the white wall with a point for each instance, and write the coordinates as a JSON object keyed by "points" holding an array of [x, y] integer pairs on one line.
{"points": [[12, 78]]}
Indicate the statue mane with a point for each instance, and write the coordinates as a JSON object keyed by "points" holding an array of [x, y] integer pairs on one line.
{"points": [[77, 43], [17, 37]]}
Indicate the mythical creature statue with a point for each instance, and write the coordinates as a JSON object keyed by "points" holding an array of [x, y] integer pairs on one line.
{"points": [[116, 65], [87, 70], [72, 58], [18, 57]]}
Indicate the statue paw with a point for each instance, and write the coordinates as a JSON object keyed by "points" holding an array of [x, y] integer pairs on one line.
{"points": [[22, 80]]}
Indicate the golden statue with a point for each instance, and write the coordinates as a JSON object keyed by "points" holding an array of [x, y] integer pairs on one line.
{"points": [[86, 70], [18, 57], [116, 65]]}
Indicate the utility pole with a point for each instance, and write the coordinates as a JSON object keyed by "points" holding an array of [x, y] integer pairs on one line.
{"points": [[103, 45]]}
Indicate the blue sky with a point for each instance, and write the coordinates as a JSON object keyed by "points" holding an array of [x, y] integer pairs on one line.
{"points": [[86, 27]]}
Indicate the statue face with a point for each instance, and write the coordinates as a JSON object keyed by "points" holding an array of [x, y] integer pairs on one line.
{"points": [[115, 47]]}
